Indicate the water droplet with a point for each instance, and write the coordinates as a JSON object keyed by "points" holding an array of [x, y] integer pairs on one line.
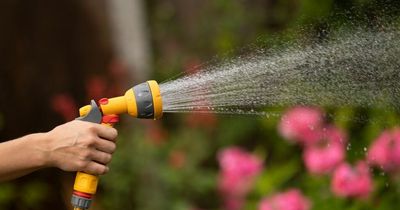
{"points": [[348, 148]]}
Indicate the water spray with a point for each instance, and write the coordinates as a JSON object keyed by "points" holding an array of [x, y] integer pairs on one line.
{"points": [[141, 101], [350, 68]]}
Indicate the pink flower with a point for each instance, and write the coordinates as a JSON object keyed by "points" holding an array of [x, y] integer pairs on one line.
{"points": [[301, 124], [238, 171], [234, 160], [352, 182], [385, 151], [323, 156], [289, 200]]}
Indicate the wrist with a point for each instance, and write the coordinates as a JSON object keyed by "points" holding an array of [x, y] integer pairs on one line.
{"points": [[38, 147]]}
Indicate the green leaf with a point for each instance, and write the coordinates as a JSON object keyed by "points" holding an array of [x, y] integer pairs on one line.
{"points": [[274, 177]]}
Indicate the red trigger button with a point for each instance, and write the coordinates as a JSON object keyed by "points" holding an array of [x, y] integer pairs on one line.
{"points": [[103, 101], [110, 119]]}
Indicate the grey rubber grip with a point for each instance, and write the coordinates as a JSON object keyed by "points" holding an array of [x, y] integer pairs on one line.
{"points": [[144, 101]]}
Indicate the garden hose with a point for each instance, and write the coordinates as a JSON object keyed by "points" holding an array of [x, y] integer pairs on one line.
{"points": [[141, 101]]}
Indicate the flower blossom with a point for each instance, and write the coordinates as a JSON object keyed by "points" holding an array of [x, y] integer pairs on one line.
{"points": [[301, 124], [238, 172], [291, 199], [385, 151], [348, 181], [323, 156]]}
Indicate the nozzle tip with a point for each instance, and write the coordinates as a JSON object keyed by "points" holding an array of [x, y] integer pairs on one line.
{"points": [[157, 100]]}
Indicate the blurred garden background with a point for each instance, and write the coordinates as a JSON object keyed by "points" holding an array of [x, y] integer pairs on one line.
{"points": [[57, 55]]}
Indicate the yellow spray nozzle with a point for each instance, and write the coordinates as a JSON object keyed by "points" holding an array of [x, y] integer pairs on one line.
{"points": [[141, 101]]}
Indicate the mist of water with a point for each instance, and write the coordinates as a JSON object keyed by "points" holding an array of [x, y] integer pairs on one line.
{"points": [[355, 68]]}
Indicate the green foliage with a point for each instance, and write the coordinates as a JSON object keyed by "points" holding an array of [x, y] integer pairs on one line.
{"points": [[314, 10], [29, 195], [275, 177], [33, 193], [143, 176]]}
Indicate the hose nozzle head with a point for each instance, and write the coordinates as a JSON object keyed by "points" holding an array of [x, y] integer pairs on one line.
{"points": [[141, 101]]}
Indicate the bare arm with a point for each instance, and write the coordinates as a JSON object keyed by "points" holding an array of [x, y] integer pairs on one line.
{"points": [[74, 146]]}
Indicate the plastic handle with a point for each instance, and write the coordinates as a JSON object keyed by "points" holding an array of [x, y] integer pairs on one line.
{"points": [[85, 185]]}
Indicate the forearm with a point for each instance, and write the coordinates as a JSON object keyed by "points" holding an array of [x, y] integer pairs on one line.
{"points": [[21, 156]]}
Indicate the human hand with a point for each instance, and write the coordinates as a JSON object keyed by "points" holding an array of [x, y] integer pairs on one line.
{"points": [[80, 146]]}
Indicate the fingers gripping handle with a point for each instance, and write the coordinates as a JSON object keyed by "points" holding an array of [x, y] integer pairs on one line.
{"points": [[85, 185]]}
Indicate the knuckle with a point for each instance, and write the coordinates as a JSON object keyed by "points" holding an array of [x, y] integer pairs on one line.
{"points": [[86, 154], [92, 129], [91, 140], [82, 165]]}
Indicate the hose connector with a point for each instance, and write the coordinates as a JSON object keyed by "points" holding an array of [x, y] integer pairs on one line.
{"points": [[81, 201]]}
